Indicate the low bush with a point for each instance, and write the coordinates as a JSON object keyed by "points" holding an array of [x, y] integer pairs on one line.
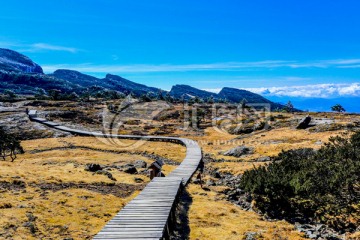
{"points": [[319, 186]]}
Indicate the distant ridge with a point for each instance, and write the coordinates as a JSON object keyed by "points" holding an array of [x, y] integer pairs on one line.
{"points": [[15, 62], [186, 91], [237, 95], [21, 75], [112, 82]]}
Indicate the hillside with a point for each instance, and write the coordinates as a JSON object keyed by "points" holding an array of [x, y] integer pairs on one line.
{"points": [[123, 85], [178, 91], [15, 62], [25, 83], [237, 95], [21, 75], [76, 77]]}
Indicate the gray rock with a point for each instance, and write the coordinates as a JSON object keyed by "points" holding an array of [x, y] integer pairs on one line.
{"points": [[210, 183], [106, 173], [239, 151], [252, 236], [140, 164], [263, 159]]}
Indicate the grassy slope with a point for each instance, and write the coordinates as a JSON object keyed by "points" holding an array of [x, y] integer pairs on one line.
{"points": [[75, 212]]}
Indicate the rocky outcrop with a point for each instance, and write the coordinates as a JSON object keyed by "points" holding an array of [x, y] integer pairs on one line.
{"points": [[238, 95], [239, 151], [304, 123], [12, 61], [179, 91]]}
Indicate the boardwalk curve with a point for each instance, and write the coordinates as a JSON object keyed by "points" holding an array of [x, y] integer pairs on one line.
{"points": [[150, 214]]}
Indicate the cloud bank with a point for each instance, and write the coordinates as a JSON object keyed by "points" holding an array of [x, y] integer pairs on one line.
{"points": [[308, 91], [37, 47], [225, 66]]}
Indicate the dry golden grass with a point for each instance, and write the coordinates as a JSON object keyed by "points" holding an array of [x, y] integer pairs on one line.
{"points": [[69, 212], [81, 213], [212, 218]]}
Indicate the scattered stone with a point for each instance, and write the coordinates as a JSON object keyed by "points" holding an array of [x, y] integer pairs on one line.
{"points": [[304, 123], [106, 173], [93, 167], [210, 183], [5, 205], [130, 170], [140, 164], [239, 151], [252, 236], [317, 231], [138, 180], [216, 174], [31, 226], [263, 159], [196, 181]]}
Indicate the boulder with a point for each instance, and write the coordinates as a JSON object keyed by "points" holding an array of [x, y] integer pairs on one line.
{"points": [[106, 173], [239, 151], [131, 170], [140, 164], [304, 123], [93, 167], [138, 180], [210, 183], [263, 159], [216, 174]]}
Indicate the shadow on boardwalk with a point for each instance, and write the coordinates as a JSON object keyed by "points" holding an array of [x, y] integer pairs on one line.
{"points": [[181, 230]]}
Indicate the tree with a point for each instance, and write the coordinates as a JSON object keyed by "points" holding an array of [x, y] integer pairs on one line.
{"points": [[210, 100], [40, 94], [54, 94], [169, 98], [9, 145], [10, 94], [338, 108], [160, 95], [289, 107], [145, 98], [73, 96]]}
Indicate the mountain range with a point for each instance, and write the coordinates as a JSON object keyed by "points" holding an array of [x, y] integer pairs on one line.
{"points": [[21, 75]]}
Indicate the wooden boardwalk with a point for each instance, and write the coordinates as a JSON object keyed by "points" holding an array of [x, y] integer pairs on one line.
{"points": [[150, 215]]}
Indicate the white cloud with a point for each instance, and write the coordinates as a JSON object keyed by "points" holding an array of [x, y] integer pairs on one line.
{"points": [[37, 47], [314, 91], [225, 66]]}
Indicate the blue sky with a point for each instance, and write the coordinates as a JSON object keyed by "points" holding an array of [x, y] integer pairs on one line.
{"points": [[282, 47]]}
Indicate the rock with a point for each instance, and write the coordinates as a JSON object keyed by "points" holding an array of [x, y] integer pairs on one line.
{"points": [[31, 226], [130, 170], [196, 181], [138, 180], [239, 151], [252, 236], [216, 174], [263, 159], [210, 183], [140, 164], [304, 123], [106, 173], [93, 167]]}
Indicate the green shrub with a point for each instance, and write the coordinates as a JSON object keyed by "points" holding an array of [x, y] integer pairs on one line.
{"points": [[322, 186], [9, 145]]}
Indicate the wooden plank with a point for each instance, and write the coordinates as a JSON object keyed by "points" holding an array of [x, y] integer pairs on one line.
{"points": [[146, 216]]}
